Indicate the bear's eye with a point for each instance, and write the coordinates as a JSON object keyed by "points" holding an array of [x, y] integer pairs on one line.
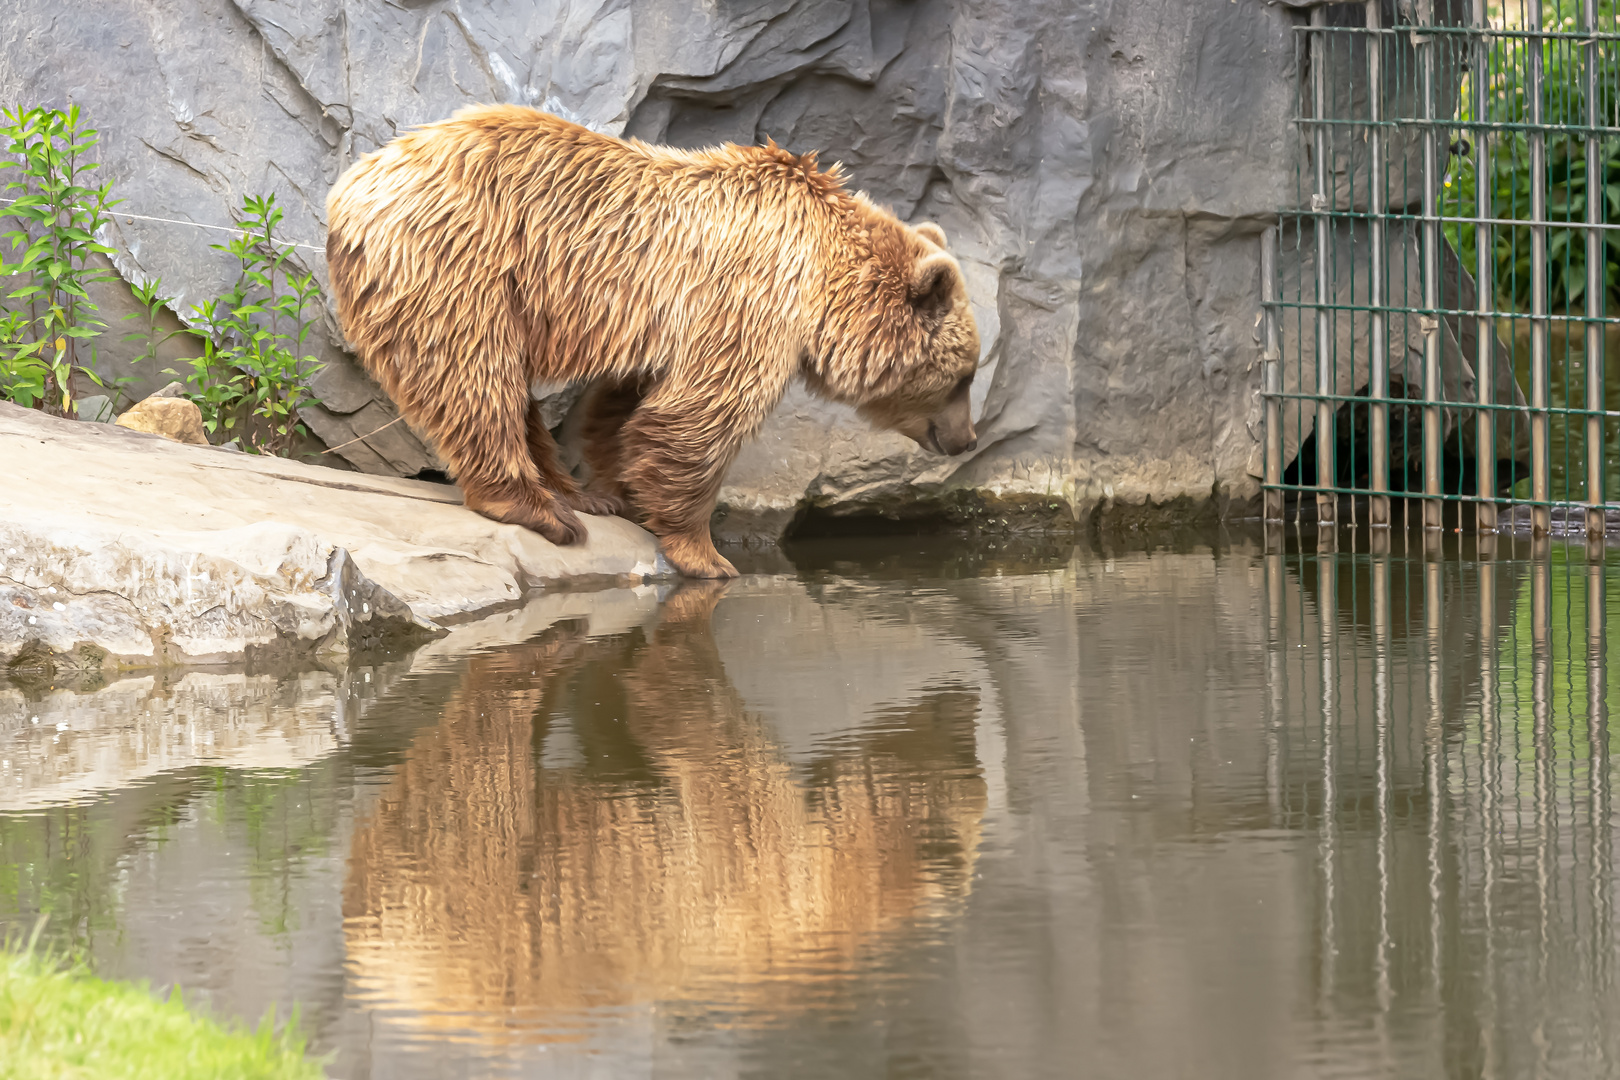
{"points": [[963, 385]]}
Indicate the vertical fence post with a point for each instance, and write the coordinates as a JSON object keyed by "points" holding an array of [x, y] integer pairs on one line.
{"points": [[1540, 375], [1327, 499], [1430, 321], [1595, 523], [1378, 334], [1484, 290], [1271, 374]]}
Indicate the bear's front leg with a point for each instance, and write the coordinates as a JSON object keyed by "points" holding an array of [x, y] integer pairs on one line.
{"points": [[674, 463], [486, 447]]}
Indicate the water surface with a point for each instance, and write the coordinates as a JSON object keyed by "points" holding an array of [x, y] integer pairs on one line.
{"points": [[882, 809]]}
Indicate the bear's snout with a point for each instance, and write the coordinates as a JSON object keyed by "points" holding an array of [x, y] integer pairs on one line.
{"points": [[951, 447], [951, 429], [950, 439]]}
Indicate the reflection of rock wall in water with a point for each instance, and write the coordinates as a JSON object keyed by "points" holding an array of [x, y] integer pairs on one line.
{"points": [[69, 737], [1104, 170], [674, 852]]}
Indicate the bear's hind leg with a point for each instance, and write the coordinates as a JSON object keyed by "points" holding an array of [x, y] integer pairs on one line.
{"points": [[608, 406], [543, 450]]}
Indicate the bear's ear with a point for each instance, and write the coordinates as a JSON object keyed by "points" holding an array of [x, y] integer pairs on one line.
{"points": [[931, 232], [933, 280]]}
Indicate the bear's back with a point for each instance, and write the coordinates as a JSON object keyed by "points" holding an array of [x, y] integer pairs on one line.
{"points": [[490, 170], [602, 241]]}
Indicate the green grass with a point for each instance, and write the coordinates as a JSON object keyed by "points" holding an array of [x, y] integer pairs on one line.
{"points": [[59, 1022]]}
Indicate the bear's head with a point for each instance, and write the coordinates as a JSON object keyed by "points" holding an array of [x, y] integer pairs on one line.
{"points": [[906, 344]]}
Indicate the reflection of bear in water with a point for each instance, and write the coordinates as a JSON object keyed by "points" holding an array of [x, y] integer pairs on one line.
{"points": [[677, 856], [473, 257]]}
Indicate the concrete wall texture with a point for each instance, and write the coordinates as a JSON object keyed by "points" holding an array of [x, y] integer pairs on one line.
{"points": [[1103, 168]]}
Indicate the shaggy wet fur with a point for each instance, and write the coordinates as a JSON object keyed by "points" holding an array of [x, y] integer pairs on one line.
{"points": [[475, 256]]}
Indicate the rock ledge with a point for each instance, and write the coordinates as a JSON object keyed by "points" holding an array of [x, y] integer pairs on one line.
{"points": [[128, 550]]}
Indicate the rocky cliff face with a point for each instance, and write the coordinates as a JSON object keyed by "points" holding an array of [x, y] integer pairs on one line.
{"points": [[1102, 168]]}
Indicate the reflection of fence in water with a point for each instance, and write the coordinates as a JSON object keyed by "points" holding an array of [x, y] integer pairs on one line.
{"points": [[1442, 727], [1447, 144]]}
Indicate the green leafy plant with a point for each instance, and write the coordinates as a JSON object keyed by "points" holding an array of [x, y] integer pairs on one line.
{"points": [[48, 320], [252, 377], [149, 295], [1568, 188]]}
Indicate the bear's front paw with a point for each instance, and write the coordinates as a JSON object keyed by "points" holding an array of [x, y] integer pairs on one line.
{"points": [[557, 523], [549, 517]]}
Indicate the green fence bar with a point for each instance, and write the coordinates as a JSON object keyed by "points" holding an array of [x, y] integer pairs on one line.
{"points": [[1484, 249], [1540, 360], [1271, 376], [1595, 513], [1378, 334], [1433, 389], [1327, 499]]}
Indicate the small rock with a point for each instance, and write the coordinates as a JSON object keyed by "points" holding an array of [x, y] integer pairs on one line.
{"points": [[174, 389], [173, 418], [97, 409]]}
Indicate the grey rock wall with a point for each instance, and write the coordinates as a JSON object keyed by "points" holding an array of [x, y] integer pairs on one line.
{"points": [[1103, 170]]}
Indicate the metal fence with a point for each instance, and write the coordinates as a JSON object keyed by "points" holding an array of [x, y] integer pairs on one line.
{"points": [[1434, 304]]}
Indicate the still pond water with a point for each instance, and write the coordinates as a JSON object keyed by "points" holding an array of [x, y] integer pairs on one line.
{"points": [[883, 810]]}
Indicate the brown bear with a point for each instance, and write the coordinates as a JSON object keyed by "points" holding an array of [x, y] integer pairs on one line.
{"points": [[506, 246]]}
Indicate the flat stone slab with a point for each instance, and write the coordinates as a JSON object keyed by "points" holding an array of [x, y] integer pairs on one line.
{"points": [[128, 549]]}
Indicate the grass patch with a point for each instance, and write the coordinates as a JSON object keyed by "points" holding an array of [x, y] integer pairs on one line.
{"points": [[60, 1022]]}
